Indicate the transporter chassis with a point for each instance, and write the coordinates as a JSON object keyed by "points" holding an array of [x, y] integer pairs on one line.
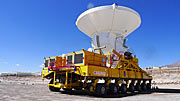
{"points": [[86, 70]]}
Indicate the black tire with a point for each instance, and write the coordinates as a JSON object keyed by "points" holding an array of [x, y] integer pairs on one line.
{"points": [[87, 87], [144, 87], [148, 86], [101, 90], [138, 87], [131, 87], [113, 88], [53, 89], [78, 88], [67, 89], [90, 86], [123, 88]]}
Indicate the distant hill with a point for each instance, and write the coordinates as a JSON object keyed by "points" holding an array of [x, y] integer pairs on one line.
{"points": [[20, 74], [176, 64]]}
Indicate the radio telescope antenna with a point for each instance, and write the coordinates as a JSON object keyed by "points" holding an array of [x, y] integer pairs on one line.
{"points": [[111, 24]]}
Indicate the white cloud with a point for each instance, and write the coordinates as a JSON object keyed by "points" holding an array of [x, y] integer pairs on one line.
{"points": [[90, 5], [17, 65]]}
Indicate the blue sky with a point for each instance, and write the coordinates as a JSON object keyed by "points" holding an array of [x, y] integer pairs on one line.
{"points": [[32, 29]]}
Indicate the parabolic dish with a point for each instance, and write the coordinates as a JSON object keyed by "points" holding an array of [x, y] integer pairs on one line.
{"points": [[112, 19]]}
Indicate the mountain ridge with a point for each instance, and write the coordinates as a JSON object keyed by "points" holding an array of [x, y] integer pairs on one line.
{"points": [[175, 64]]}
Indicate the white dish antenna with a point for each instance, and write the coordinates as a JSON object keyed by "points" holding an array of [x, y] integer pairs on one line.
{"points": [[108, 26]]}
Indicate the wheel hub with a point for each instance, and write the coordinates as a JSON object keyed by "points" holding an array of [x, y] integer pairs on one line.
{"points": [[103, 90]]}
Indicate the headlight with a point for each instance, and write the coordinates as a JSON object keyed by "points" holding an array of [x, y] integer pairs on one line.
{"points": [[57, 80]]}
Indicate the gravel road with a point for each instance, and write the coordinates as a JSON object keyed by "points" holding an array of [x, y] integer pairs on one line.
{"points": [[39, 92]]}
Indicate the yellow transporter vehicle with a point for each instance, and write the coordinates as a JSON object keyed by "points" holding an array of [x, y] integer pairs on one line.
{"points": [[88, 71], [107, 71]]}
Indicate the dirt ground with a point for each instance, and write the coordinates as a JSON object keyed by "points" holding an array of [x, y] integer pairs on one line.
{"points": [[23, 89]]}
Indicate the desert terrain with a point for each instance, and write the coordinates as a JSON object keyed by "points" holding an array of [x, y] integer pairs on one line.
{"points": [[34, 88]]}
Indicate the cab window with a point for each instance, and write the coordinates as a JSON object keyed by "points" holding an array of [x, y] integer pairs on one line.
{"points": [[52, 60], [78, 58], [69, 59], [46, 63]]}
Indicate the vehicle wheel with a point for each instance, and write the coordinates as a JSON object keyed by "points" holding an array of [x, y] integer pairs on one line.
{"points": [[67, 89], [144, 87], [138, 87], [87, 86], [78, 88], [101, 90], [148, 86], [123, 88], [113, 88], [90, 86], [131, 87], [53, 89]]}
